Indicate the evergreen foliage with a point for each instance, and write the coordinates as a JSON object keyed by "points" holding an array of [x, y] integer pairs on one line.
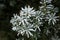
{"points": [[49, 28], [33, 24]]}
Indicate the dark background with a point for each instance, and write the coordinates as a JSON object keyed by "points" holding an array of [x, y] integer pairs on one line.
{"points": [[8, 8]]}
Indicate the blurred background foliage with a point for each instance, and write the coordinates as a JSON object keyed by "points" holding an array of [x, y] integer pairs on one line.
{"points": [[9, 7]]}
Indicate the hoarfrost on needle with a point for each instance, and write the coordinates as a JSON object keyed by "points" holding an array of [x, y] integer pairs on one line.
{"points": [[52, 18], [27, 11]]}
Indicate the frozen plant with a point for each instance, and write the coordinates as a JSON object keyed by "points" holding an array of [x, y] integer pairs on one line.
{"points": [[27, 11], [31, 23], [52, 18], [21, 25]]}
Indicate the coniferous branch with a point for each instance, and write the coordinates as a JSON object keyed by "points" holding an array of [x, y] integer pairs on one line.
{"points": [[29, 22]]}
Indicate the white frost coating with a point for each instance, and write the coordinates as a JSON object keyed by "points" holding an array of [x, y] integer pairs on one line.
{"points": [[45, 1], [52, 18], [20, 22], [48, 1], [30, 21], [21, 25], [27, 11], [14, 28]]}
